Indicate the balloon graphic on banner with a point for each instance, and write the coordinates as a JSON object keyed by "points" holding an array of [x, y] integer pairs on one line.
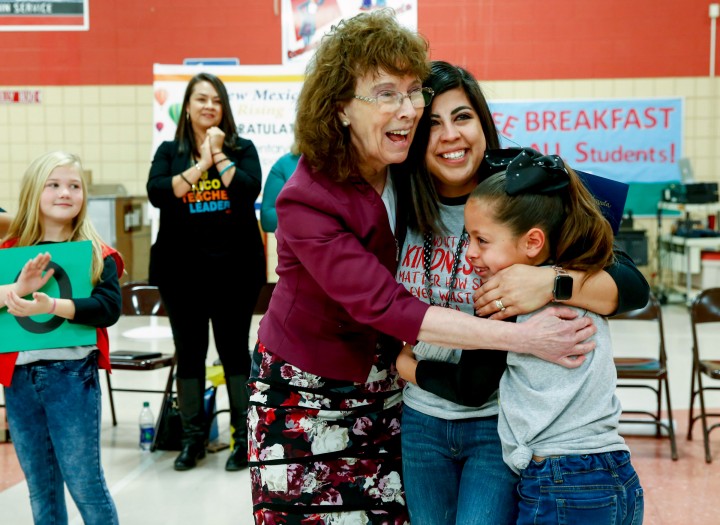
{"points": [[174, 112], [161, 96], [159, 126]]}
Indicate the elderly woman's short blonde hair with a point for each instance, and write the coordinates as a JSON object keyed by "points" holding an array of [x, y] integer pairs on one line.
{"points": [[371, 42]]}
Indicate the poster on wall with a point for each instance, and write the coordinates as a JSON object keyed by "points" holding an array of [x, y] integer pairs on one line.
{"points": [[304, 22], [262, 99], [628, 140], [44, 15]]}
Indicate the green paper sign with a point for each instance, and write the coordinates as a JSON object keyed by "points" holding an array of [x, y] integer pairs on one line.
{"points": [[72, 262]]}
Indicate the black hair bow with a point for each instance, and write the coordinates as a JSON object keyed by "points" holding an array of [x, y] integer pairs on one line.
{"points": [[528, 170]]}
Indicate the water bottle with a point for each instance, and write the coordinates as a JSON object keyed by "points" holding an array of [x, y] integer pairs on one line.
{"points": [[147, 427]]}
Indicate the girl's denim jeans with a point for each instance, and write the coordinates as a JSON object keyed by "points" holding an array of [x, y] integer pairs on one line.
{"points": [[592, 489], [53, 410]]}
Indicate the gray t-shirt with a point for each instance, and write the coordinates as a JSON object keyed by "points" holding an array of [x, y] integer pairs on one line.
{"points": [[69, 353], [548, 410], [411, 274]]}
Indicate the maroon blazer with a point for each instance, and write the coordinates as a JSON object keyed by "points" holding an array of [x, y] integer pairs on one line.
{"points": [[337, 293]]}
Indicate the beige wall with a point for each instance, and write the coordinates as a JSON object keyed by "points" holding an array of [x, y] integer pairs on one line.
{"points": [[111, 127]]}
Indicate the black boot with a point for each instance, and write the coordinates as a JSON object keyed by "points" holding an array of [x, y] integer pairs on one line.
{"points": [[238, 395], [192, 411]]}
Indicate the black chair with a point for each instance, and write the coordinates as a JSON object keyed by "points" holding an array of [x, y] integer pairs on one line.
{"points": [[140, 299], [704, 309], [636, 372]]}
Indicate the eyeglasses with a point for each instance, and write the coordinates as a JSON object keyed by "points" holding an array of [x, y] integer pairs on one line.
{"points": [[390, 101]]}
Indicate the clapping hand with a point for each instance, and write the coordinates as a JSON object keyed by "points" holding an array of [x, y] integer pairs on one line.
{"points": [[216, 136], [40, 304], [31, 276], [206, 159]]}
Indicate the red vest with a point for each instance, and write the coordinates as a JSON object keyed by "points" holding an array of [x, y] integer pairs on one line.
{"points": [[7, 361]]}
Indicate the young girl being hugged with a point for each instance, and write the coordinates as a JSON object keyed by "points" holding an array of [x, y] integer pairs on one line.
{"points": [[53, 395], [558, 426]]}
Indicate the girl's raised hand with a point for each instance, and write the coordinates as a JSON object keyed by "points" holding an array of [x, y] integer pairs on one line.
{"points": [[31, 276]]}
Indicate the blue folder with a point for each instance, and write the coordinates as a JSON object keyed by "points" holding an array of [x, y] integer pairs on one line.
{"points": [[610, 195]]}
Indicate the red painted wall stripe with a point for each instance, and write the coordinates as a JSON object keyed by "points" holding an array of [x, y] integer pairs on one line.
{"points": [[495, 39]]}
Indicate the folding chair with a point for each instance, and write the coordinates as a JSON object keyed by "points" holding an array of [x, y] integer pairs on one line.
{"points": [[704, 309], [636, 372], [140, 299]]}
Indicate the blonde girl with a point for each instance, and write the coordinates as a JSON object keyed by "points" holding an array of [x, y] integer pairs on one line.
{"points": [[53, 395]]}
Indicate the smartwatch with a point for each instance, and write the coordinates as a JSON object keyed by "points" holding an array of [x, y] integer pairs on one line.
{"points": [[563, 286]]}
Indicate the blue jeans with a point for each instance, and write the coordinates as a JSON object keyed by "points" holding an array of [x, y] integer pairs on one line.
{"points": [[454, 472], [53, 411], [592, 489]]}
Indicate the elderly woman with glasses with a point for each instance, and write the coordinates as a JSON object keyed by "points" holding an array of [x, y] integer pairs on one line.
{"points": [[325, 399]]}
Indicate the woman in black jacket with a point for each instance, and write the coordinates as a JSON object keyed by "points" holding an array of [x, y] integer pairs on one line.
{"points": [[205, 183]]}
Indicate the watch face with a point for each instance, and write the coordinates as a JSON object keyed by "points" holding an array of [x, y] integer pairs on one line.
{"points": [[563, 287]]}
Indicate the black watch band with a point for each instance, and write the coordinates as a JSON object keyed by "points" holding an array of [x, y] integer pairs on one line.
{"points": [[563, 286]]}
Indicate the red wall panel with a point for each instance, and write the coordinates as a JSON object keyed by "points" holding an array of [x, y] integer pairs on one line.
{"points": [[563, 39], [127, 36], [495, 39]]}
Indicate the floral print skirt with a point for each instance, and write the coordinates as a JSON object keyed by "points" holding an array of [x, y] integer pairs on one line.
{"points": [[323, 451]]}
